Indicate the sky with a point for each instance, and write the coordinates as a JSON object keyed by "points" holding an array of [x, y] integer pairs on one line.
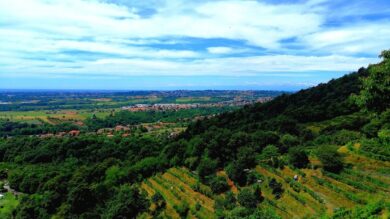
{"points": [[183, 44]]}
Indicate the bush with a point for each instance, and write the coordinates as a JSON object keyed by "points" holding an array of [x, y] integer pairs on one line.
{"points": [[183, 209], [248, 198], [276, 187], [219, 184], [298, 157], [270, 155], [330, 159], [198, 206], [206, 168], [236, 172], [287, 141], [253, 177]]}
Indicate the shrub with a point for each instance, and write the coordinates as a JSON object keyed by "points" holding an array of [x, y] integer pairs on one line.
{"points": [[276, 187], [247, 198], [330, 159], [206, 168], [298, 157], [219, 184], [198, 206], [182, 209], [236, 172]]}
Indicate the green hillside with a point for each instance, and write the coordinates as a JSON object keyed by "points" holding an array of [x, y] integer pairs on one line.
{"points": [[322, 152], [333, 137]]}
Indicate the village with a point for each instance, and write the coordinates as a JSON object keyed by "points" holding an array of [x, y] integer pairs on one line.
{"points": [[170, 129], [174, 106]]}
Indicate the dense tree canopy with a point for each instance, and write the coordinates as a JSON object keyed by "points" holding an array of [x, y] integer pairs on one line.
{"points": [[376, 86]]}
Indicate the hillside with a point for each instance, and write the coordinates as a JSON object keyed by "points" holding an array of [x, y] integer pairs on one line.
{"points": [[320, 152], [345, 139]]}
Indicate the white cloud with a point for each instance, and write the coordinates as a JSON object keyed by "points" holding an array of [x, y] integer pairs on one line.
{"points": [[369, 38], [258, 23], [37, 35], [236, 66], [219, 50]]}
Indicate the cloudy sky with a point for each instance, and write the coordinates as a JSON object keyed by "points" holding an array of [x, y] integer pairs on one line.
{"points": [[172, 44]]}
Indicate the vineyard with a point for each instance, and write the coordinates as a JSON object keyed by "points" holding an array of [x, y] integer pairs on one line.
{"points": [[314, 193]]}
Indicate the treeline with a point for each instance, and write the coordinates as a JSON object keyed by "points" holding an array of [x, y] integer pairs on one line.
{"points": [[133, 118], [83, 177], [9, 128]]}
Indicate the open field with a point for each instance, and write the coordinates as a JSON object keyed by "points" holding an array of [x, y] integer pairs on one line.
{"points": [[52, 116], [82, 100]]}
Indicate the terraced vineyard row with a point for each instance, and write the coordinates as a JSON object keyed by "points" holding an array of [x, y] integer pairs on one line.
{"points": [[176, 187], [313, 194]]}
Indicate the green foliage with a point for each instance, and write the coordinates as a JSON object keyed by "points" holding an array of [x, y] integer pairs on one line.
{"points": [[384, 136], [218, 184], [270, 155], [253, 177], [206, 168], [134, 118], [182, 209], [330, 159], [159, 201], [288, 141], [349, 195], [276, 187], [127, 203], [198, 206], [236, 172], [375, 148], [264, 213], [376, 86], [248, 198], [353, 183], [239, 212], [114, 175], [371, 210], [246, 157], [8, 204], [298, 157]]}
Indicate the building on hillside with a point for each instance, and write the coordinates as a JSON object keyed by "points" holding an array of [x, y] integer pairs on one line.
{"points": [[74, 133], [120, 128]]}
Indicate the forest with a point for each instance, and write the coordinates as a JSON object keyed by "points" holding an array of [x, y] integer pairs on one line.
{"points": [[309, 147]]}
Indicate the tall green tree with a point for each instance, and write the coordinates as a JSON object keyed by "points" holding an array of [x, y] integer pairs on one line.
{"points": [[330, 159], [374, 95], [127, 203]]}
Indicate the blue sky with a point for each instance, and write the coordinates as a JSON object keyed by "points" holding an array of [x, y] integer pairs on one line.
{"points": [[173, 44]]}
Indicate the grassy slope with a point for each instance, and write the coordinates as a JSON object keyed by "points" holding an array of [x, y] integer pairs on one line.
{"points": [[318, 193]]}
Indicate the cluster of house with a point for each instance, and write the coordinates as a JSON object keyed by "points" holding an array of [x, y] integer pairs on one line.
{"points": [[174, 106], [159, 107], [72, 133], [110, 132], [125, 130]]}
